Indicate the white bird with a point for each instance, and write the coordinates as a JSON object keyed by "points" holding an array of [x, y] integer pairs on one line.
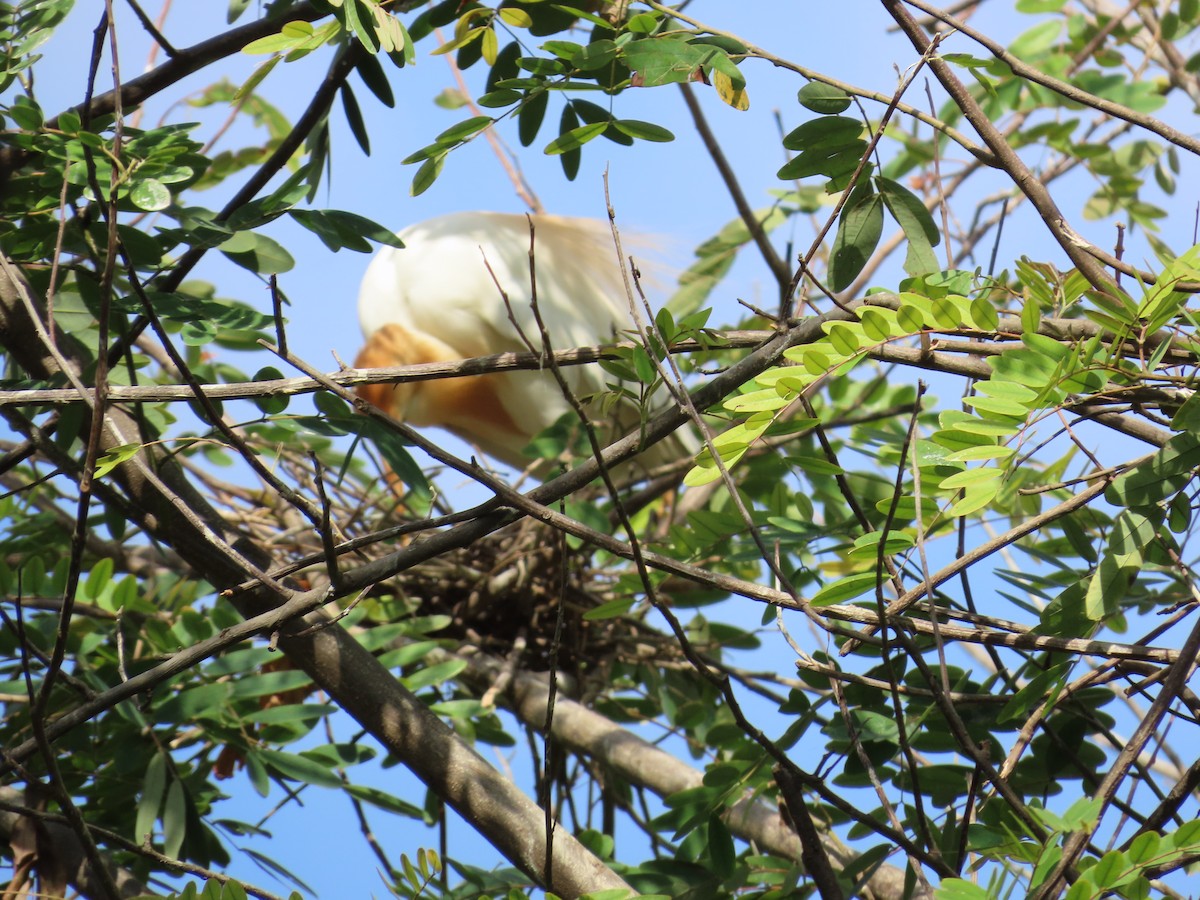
{"points": [[439, 300]]}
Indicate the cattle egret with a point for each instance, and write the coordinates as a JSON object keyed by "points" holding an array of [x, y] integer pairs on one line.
{"points": [[439, 300]]}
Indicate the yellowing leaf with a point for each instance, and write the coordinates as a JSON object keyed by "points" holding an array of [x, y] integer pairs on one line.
{"points": [[490, 47], [733, 96], [981, 452], [517, 18], [757, 401], [388, 29], [705, 471], [115, 457], [970, 477]]}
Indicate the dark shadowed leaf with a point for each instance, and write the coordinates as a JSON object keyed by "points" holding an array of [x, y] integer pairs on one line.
{"points": [[858, 233]]}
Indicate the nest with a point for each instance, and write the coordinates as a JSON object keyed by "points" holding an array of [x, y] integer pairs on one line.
{"points": [[502, 593], [510, 589]]}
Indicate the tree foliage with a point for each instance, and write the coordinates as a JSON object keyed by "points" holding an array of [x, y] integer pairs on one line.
{"points": [[919, 619]]}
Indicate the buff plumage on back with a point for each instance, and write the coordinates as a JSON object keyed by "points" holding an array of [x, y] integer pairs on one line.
{"points": [[437, 301]]}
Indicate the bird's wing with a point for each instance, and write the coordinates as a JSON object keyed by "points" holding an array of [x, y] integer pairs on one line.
{"points": [[465, 260], [451, 280]]}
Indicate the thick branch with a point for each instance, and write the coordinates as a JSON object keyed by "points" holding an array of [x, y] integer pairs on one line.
{"points": [[68, 852], [642, 763], [1008, 158], [1063, 88], [354, 678]]}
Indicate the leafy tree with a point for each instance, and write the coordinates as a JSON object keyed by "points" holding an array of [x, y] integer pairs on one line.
{"points": [[987, 596]]}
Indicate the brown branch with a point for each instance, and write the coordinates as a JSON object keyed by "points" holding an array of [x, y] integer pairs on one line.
{"points": [[1007, 157], [82, 876], [1029, 526], [646, 765], [192, 59], [955, 135], [68, 850], [779, 268], [1009, 327], [1176, 680], [1066, 89], [354, 678]]}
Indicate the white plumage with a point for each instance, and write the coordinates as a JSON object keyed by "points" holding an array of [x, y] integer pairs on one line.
{"points": [[437, 301]]}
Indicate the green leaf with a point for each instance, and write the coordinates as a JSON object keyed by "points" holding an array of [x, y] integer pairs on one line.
{"points": [[292, 35], [427, 174], [370, 70], [721, 852], [206, 701], [866, 547], [846, 589], [496, 99], [410, 872], [174, 819], [998, 406], [975, 498], [26, 113], [468, 128], [153, 784], [823, 98], [844, 337], [331, 232], [610, 610], [300, 768], [258, 253], [271, 405], [645, 131], [970, 477], [517, 18], [434, 674], [575, 138], [959, 889], [1122, 561], [1159, 477], [642, 23], [1112, 871], [151, 195], [384, 801], [292, 712], [395, 454], [571, 159], [531, 115], [815, 465], [354, 117], [597, 55], [355, 23], [1037, 40], [663, 60], [858, 233], [1187, 417], [981, 452], [917, 224], [338, 229], [825, 133], [1162, 302], [983, 315], [114, 457]]}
